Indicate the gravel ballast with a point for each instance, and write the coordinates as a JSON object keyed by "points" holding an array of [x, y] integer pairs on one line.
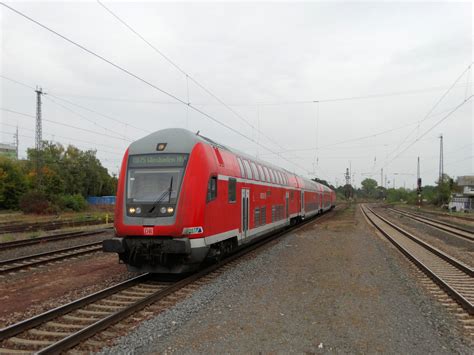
{"points": [[331, 286]]}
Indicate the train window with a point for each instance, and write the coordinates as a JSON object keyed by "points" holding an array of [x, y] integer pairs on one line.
{"points": [[260, 171], [212, 188], [242, 171], [256, 217], [254, 171], [267, 175], [272, 176], [263, 216], [278, 177], [232, 190], [247, 169]]}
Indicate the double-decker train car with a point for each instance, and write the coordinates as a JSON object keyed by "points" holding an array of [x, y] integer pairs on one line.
{"points": [[183, 198]]}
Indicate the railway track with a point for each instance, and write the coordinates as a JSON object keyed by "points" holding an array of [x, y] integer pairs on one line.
{"points": [[6, 228], [444, 226], [35, 260], [51, 238], [456, 278], [64, 327]]}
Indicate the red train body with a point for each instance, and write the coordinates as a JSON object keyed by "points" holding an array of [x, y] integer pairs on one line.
{"points": [[183, 198]]}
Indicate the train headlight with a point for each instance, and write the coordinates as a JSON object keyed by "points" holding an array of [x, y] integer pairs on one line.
{"points": [[138, 210], [170, 210], [163, 210], [132, 210]]}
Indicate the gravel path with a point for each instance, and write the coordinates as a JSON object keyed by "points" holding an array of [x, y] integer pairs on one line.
{"points": [[333, 287]]}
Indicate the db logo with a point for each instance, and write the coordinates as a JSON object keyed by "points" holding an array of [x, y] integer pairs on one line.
{"points": [[148, 230]]}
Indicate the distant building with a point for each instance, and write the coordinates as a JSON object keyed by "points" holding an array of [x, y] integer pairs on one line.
{"points": [[8, 150], [464, 199]]}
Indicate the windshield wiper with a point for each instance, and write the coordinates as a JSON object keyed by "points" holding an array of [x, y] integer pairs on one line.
{"points": [[162, 196]]}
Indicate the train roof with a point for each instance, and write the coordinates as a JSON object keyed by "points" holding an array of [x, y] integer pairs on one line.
{"points": [[180, 140]]}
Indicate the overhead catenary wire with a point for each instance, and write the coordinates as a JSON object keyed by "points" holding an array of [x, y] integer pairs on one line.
{"points": [[431, 128], [65, 137], [157, 88], [428, 114], [187, 75], [56, 141], [61, 124], [119, 135], [75, 104]]}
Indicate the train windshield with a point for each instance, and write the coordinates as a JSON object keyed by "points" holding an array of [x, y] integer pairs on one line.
{"points": [[154, 185], [155, 178]]}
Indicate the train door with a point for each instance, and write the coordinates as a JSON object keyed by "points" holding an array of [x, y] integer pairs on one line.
{"points": [[245, 212], [287, 201], [302, 203]]}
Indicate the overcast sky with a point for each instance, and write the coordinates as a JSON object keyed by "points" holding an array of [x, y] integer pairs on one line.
{"points": [[269, 61]]}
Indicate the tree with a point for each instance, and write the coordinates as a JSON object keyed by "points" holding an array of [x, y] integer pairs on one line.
{"points": [[444, 188], [369, 187], [12, 183]]}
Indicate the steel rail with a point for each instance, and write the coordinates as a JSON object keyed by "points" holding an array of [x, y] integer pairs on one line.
{"points": [[101, 324], [50, 225], [457, 296], [47, 257], [29, 323], [50, 238], [456, 230]]}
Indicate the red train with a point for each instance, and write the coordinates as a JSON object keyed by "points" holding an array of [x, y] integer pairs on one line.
{"points": [[183, 198]]}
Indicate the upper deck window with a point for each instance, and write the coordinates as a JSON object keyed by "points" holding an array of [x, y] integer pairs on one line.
{"points": [[272, 175], [254, 170], [242, 171], [267, 174], [247, 169], [260, 171]]}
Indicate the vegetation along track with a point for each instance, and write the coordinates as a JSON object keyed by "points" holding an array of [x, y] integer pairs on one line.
{"points": [[64, 327], [34, 260], [456, 278], [51, 238], [447, 227]]}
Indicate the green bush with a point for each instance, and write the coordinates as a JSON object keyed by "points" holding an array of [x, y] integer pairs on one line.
{"points": [[74, 202]]}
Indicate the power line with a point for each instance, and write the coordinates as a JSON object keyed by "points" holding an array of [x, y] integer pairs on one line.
{"points": [[56, 141], [185, 73], [432, 109], [61, 124], [145, 81], [255, 104], [431, 128], [65, 137], [121, 136], [77, 105]]}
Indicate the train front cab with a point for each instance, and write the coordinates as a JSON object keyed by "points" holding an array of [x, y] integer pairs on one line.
{"points": [[160, 228]]}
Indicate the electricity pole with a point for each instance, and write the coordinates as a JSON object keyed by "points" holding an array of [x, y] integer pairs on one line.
{"points": [[38, 135], [17, 142], [441, 162], [381, 177]]}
